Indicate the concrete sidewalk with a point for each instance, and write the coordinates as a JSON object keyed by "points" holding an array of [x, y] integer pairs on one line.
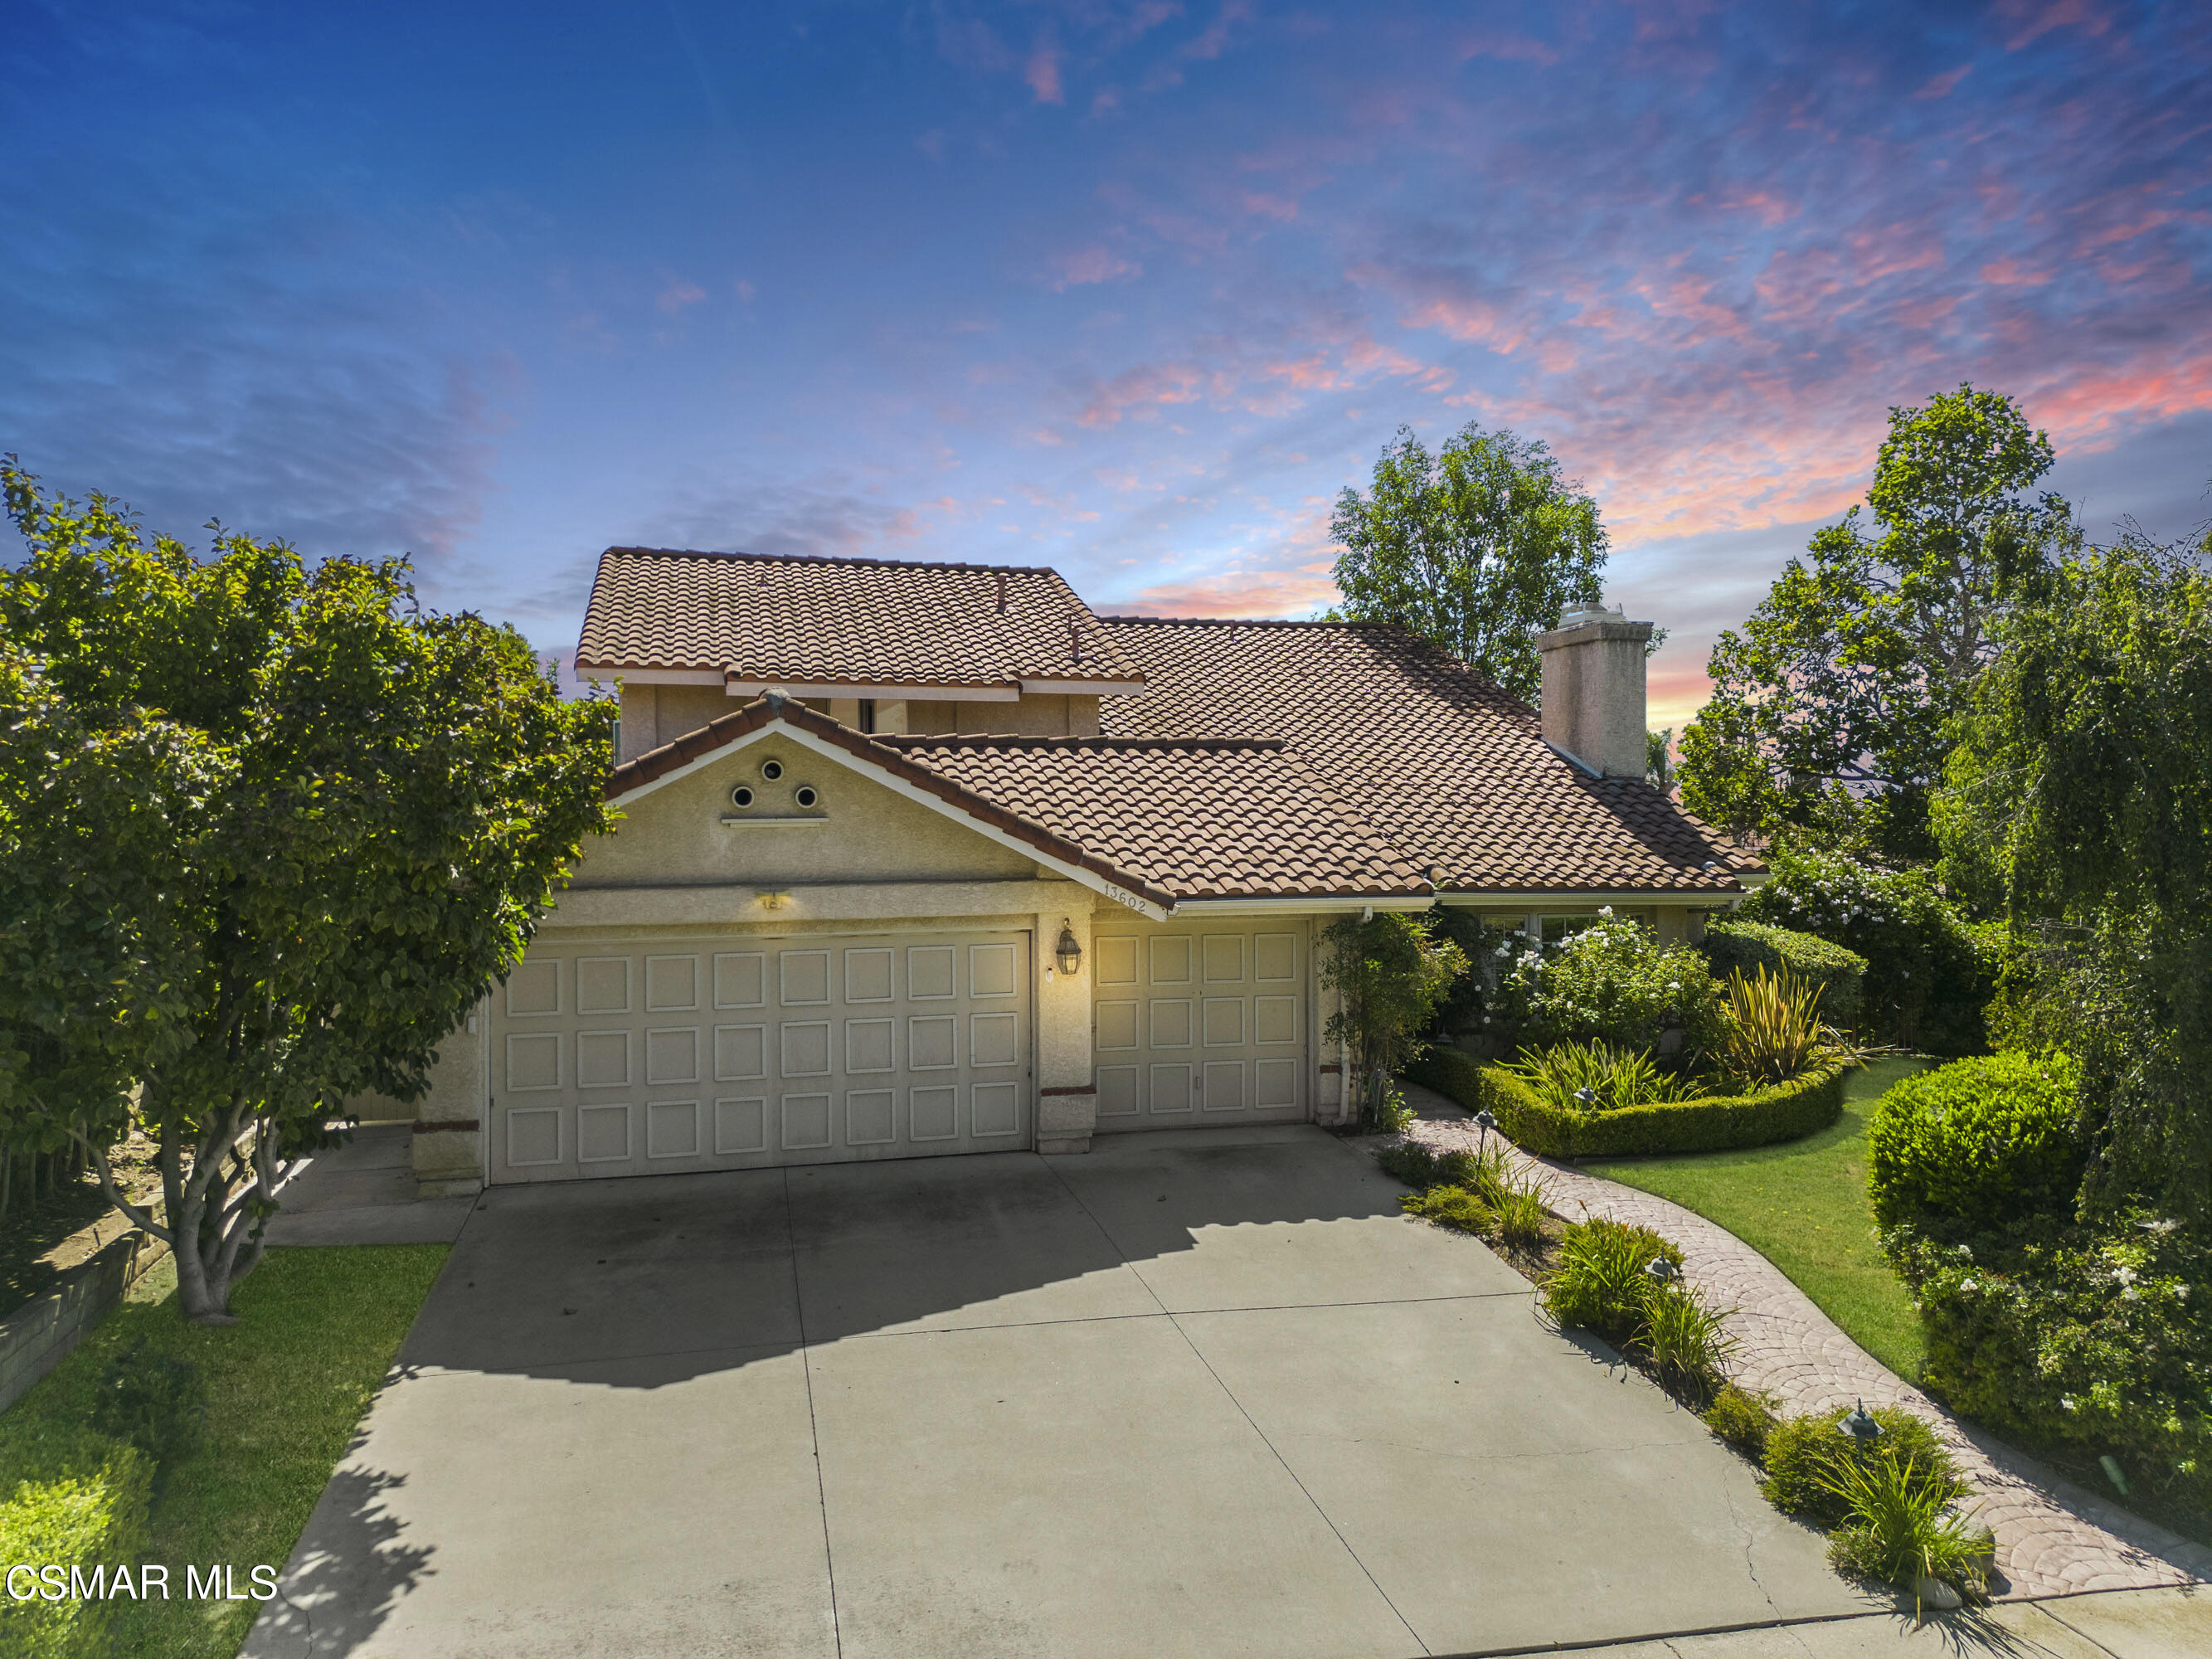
{"points": [[363, 1193]]}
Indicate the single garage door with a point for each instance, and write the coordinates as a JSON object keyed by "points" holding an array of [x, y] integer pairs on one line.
{"points": [[1198, 1026], [657, 1056]]}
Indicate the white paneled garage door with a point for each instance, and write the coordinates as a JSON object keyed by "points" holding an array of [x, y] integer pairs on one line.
{"points": [[1195, 1026], [655, 1057]]}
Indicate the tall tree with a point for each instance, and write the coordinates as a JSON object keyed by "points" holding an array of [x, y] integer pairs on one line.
{"points": [[304, 824], [1477, 548], [2079, 792], [1828, 708]]}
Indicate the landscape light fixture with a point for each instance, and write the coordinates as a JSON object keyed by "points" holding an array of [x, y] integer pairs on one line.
{"points": [[1068, 952], [1661, 1271], [1586, 1097], [1484, 1122], [1859, 1424]]}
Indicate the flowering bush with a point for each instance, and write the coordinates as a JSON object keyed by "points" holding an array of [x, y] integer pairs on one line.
{"points": [[1929, 973], [1612, 982], [2102, 1343]]}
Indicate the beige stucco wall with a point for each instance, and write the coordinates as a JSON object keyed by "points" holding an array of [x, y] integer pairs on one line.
{"points": [[675, 836]]}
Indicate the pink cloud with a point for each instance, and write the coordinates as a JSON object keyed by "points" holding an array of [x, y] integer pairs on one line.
{"points": [[2035, 21], [1941, 86], [2009, 272], [1042, 75], [1148, 386], [1089, 265], [1270, 207], [1235, 593], [678, 294]]}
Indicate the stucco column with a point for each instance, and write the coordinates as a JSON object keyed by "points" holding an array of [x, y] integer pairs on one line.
{"points": [[448, 1139], [1067, 1102]]}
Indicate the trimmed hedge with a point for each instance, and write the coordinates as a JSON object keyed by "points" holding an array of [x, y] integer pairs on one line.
{"points": [[1744, 947], [1973, 1147], [72, 1497], [1717, 1123]]}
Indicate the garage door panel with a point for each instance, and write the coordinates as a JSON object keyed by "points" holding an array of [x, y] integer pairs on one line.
{"points": [[603, 1133], [671, 984], [533, 1062], [868, 1046], [740, 1053], [672, 1055], [603, 1060], [870, 1117], [740, 1125], [672, 1128], [996, 1110], [1192, 1027], [603, 985], [861, 1048], [806, 1122], [933, 1113], [804, 977], [740, 979]]}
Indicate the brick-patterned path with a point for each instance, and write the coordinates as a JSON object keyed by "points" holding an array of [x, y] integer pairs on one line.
{"points": [[2053, 1538]]}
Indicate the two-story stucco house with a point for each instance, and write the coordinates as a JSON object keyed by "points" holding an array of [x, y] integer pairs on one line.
{"points": [[928, 859]]}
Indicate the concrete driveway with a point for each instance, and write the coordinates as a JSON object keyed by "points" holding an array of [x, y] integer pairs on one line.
{"points": [[1194, 1394]]}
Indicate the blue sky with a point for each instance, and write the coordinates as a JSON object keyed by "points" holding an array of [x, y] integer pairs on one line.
{"points": [[1128, 287]]}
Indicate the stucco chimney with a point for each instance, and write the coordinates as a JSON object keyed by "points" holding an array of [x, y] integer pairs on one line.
{"points": [[1594, 689]]}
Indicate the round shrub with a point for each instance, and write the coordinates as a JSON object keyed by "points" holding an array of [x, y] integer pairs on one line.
{"points": [[1804, 1453], [1965, 1149]]}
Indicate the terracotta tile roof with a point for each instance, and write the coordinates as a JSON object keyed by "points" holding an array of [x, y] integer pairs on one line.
{"points": [[1200, 817], [793, 621], [1169, 819], [1441, 762]]}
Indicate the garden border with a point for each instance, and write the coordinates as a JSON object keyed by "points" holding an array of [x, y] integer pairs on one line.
{"points": [[1811, 1101], [2053, 1538]]}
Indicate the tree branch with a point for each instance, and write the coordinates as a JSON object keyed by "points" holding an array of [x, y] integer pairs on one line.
{"points": [[131, 1213]]}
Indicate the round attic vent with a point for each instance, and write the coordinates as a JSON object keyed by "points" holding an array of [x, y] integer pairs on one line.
{"points": [[805, 795], [741, 796], [772, 769]]}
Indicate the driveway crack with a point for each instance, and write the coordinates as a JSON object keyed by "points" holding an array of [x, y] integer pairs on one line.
{"points": [[813, 1429]]}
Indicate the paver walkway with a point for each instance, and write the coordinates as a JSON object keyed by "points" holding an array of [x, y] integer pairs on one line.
{"points": [[2053, 1538]]}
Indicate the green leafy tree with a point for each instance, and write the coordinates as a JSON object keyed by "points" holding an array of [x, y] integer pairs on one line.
{"points": [[2079, 795], [1828, 707], [1476, 549], [268, 831], [1391, 974]]}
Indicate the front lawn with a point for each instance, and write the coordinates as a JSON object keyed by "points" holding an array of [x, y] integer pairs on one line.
{"points": [[1803, 1204], [286, 1386]]}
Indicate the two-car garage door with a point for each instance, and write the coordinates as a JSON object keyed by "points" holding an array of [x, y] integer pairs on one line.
{"points": [[651, 1057]]}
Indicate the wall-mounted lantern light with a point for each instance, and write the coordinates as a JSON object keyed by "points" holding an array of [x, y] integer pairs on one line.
{"points": [[1067, 952]]}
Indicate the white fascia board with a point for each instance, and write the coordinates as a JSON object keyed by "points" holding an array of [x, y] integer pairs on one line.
{"points": [[1269, 907], [1751, 882], [897, 784], [652, 676], [880, 693], [1696, 901], [1083, 687]]}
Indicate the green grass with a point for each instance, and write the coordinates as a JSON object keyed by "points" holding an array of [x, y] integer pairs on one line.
{"points": [[286, 1386], [1803, 1207]]}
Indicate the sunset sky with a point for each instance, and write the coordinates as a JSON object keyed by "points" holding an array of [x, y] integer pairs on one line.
{"points": [[1131, 287]]}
